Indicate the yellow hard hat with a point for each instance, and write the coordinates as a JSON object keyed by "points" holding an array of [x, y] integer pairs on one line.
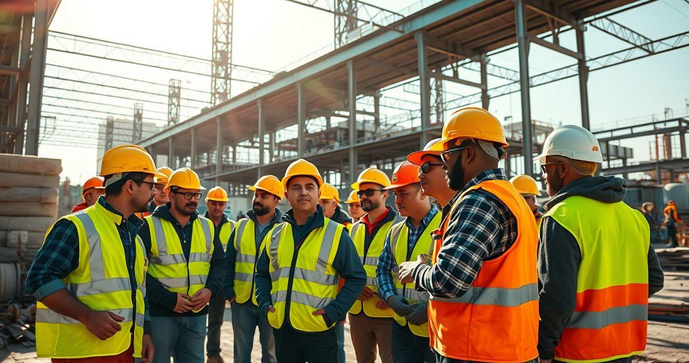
{"points": [[406, 173], [353, 198], [184, 178], [434, 147], [525, 185], [217, 194], [270, 184], [302, 167], [475, 123], [165, 172], [127, 159], [329, 192], [372, 175]]}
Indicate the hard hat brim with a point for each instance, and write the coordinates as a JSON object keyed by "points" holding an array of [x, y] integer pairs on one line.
{"points": [[218, 199], [395, 186], [253, 188], [416, 157]]}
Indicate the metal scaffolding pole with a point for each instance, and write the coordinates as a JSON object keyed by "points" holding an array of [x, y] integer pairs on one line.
{"points": [[351, 103], [261, 137], [301, 119], [523, 42], [174, 104], [424, 82], [344, 24], [193, 151], [218, 150], [583, 80], [109, 132], [23, 84], [38, 53], [485, 98], [138, 127], [171, 154], [221, 68]]}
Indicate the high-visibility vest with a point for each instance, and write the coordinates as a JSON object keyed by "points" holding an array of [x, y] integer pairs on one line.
{"points": [[101, 282], [168, 264], [225, 233], [245, 262], [303, 276], [399, 245], [370, 262], [610, 318], [502, 303]]}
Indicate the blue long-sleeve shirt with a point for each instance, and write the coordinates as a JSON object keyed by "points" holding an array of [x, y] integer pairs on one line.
{"points": [[386, 260], [59, 256]]}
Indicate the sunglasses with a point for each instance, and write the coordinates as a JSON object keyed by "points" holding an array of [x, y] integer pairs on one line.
{"points": [[426, 167], [368, 192], [444, 154], [188, 195]]}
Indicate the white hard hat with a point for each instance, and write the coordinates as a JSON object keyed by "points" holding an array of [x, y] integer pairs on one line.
{"points": [[573, 142]]}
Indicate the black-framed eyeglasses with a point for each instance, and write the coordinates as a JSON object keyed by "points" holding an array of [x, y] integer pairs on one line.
{"points": [[152, 184], [443, 155], [189, 195], [543, 169], [426, 167], [369, 192]]}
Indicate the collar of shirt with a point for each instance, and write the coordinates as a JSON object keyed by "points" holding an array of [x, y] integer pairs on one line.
{"points": [[134, 222], [425, 221], [371, 226], [490, 174]]}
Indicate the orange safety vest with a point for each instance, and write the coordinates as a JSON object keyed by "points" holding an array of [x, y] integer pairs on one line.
{"points": [[496, 320]]}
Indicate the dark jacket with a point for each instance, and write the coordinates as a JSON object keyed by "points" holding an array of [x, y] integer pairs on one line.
{"points": [[559, 259], [341, 217], [346, 262], [231, 254], [161, 300]]}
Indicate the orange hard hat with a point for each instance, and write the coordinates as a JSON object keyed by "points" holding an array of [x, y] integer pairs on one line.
{"points": [[217, 194], [433, 147], [94, 183], [406, 173]]}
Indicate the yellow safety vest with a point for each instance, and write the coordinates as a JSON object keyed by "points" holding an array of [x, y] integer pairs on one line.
{"points": [[225, 232], [399, 244], [168, 263], [311, 284], [101, 282], [370, 262], [245, 263]]}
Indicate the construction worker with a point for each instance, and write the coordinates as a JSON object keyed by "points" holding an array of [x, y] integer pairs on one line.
{"points": [[160, 197], [330, 201], [242, 253], [483, 277], [370, 319], [354, 207], [405, 241], [186, 270], [672, 223], [93, 188], [298, 271], [89, 275], [597, 267], [432, 175], [216, 202], [528, 188]]}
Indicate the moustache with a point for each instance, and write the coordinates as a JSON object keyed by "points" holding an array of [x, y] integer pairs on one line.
{"points": [[192, 204], [304, 199]]}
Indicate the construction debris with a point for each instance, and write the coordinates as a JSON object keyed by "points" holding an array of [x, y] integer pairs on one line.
{"points": [[674, 258]]}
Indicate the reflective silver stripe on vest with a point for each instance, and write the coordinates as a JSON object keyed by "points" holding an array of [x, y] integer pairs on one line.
{"points": [[496, 296], [274, 244], [205, 226], [199, 257], [301, 298], [601, 319], [242, 276], [246, 259], [307, 275], [394, 237], [371, 281], [99, 287], [326, 247], [160, 236], [142, 288], [371, 261], [51, 317], [177, 282], [140, 320], [355, 228], [238, 235], [96, 266], [168, 259], [413, 294]]}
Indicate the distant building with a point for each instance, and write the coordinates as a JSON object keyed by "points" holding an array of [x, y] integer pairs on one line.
{"points": [[122, 134]]}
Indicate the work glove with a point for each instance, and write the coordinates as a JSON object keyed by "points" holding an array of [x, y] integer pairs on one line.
{"points": [[419, 314], [399, 305]]}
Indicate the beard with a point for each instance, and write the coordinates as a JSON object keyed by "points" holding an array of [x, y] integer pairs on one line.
{"points": [[554, 184], [456, 177], [183, 209], [142, 207], [260, 210], [369, 207]]}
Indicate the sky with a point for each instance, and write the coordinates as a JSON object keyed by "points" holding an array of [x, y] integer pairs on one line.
{"points": [[271, 34]]}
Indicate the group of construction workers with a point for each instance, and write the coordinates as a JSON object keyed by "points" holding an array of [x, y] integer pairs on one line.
{"points": [[465, 268]]}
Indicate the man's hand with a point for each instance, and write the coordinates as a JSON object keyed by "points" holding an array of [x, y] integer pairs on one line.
{"points": [[233, 298], [201, 298], [102, 324], [419, 315], [381, 304], [318, 312], [271, 309], [405, 271], [183, 303], [399, 305], [366, 294], [147, 349]]}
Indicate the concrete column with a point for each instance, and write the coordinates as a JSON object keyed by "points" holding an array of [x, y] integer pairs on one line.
{"points": [[485, 99], [218, 149], [193, 152], [425, 85], [301, 120], [39, 48], [523, 43], [23, 84], [351, 94], [171, 155], [261, 136], [271, 147], [682, 139], [376, 112], [583, 80]]}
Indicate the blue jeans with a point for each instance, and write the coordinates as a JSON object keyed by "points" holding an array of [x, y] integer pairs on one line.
{"points": [[216, 312], [245, 319], [339, 332], [409, 348], [182, 336]]}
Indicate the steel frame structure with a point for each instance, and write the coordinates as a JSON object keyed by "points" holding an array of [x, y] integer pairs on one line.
{"points": [[221, 70]]}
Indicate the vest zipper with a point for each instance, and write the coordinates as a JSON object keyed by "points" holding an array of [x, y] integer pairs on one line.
{"points": [[184, 241]]}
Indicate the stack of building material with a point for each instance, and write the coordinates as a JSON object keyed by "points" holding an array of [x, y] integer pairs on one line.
{"points": [[674, 258], [28, 204]]}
